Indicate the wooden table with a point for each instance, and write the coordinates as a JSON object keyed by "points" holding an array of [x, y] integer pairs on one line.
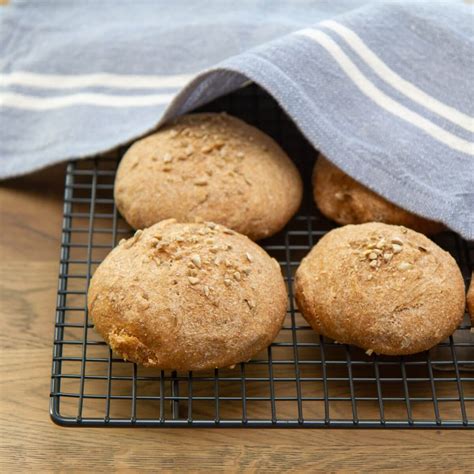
{"points": [[30, 220]]}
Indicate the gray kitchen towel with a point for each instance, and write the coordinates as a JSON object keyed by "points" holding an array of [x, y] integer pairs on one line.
{"points": [[384, 89]]}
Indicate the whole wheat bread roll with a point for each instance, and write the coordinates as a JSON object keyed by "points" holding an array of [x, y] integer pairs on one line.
{"points": [[470, 301], [344, 200], [210, 166], [187, 297], [384, 288]]}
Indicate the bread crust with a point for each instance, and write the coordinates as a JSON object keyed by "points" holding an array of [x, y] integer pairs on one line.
{"points": [[211, 166], [187, 297], [344, 200], [383, 288], [470, 301]]}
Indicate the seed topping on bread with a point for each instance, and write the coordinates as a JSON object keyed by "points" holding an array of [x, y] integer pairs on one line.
{"points": [[184, 245], [377, 251], [196, 260]]}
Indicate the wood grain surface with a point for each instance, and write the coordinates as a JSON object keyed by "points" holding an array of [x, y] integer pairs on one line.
{"points": [[30, 220]]}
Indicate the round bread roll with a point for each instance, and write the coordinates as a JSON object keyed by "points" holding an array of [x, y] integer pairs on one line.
{"points": [[384, 288], [211, 166], [344, 200], [470, 301], [187, 297]]}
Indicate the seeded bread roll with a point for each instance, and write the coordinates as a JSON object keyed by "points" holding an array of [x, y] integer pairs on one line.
{"points": [[384, 288], [211, 166], [344, 200], [187, 297], [470, 301]]}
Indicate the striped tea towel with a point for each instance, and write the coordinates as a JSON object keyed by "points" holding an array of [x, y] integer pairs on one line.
{"points": [[384, 89]]}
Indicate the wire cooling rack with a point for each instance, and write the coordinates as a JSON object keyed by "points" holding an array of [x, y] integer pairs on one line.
{"points": [[301, 380]]}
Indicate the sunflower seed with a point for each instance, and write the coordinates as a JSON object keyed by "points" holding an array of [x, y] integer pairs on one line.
{"points": [[397, 248], [196, 259], [404, 266]]}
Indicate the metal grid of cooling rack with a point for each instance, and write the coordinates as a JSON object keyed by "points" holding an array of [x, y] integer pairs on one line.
{"points": [[301, 380]]}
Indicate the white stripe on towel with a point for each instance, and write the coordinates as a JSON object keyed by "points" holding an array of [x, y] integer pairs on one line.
{"points": [[383, 100], [21, 101], [101, 79], [391, 77]]}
